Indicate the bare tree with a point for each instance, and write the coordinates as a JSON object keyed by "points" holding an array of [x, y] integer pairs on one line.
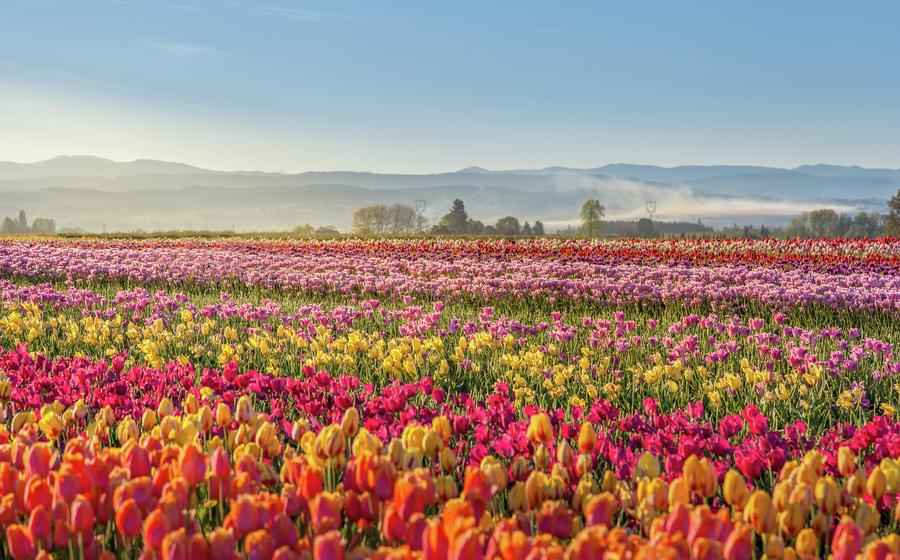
{"points": [[379, 219]]}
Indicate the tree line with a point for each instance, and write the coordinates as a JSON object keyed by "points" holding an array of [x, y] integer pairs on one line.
{"points": [[20, 225], [457, 221], [400, 219]]}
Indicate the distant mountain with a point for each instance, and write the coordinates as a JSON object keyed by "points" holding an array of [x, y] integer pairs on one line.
{"points": [[88, 191], [90, 166]]}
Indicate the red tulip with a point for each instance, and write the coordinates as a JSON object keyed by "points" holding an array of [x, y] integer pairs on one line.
{"points": [[82, 518], [19, 541]]}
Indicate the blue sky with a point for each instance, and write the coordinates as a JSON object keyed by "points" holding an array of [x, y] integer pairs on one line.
{"points": [[420, 86]]}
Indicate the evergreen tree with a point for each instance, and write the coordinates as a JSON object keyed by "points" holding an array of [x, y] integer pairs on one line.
{"points": [[892, 221]]}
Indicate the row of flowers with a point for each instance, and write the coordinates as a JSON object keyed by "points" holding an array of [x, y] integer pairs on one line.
{"points": [[727, 361], [172, 463], [859, 276]]}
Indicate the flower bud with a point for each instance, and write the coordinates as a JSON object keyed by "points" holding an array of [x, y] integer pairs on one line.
{"points": [[806, 543], [648, 466], [827, 495], [350, 422], [432, 443], [540, 430], [190, 404], [148, 420], [330, 442], [600, 509], [876, 485], [587, 438], [448, 460], [679, 493], [735, 490], [846, 462], [51, 425], [244, 410], [564, 454], [165, 408], [760, 512], [223, 415]]}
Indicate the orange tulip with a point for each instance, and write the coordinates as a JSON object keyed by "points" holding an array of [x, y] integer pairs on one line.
{"points": [[328, 546], [554, 518], [137, 461], [414, 533], [221, 544], [587, 438], [393, 526], [38, 458], [847, 540], [39, 523], [599, 510], [8, 478], [477, 489], [535, 491], [128, 518], [739, 545], [466, 546], [81, 518], [325, 511], [192, 464], [37, 493], [243, 517], [259, 545], [155, 529], [413, 492], [434, 541], [706, 549], [380, 479], [175, 545]]}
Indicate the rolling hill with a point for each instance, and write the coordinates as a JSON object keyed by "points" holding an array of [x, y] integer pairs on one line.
{"points": [[91, 192]]}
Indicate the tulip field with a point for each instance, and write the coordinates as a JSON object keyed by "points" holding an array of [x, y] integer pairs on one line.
{"points": [[445, 399]]}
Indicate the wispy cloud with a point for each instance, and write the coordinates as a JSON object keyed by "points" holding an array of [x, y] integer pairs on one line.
{"points": [[184, 49], [308, 15], [145, 3]]}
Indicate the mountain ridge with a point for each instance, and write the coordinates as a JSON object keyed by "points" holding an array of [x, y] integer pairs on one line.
{"points": [[87, 191]]}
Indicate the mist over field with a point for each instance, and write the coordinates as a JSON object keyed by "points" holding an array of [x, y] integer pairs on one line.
{"points": [[97, 194]]}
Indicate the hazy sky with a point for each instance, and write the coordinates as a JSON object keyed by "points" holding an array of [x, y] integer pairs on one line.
{"points": [[429, 86]]}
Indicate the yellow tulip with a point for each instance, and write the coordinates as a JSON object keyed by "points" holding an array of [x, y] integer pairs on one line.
{"points": [[735, 490], [760, 512], [51, 425]]}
